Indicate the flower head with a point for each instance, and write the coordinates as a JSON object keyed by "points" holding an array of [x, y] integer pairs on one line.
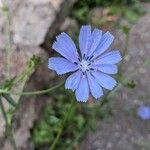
{"points": [[90, 66], [144, 112]]}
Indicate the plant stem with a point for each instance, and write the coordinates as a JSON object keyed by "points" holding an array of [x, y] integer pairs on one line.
{"points": [[8, 129], [62, 126], [56, 139], [34, 92], [6, 12], [124, 51], [9, 99]]}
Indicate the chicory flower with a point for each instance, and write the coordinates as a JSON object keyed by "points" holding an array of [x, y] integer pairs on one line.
{"points": [[89, 67]]}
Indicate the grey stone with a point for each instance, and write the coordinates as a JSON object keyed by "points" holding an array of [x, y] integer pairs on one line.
{"points": [[102, 18], [29, 107], [2, 29], [32, 20], [70, 26], [126, 131], [19, 58]]}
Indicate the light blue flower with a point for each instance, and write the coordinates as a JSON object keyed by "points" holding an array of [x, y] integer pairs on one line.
{"points": [[90, 66], [144, 112]]}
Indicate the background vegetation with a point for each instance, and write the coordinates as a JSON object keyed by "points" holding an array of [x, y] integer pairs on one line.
{"points": [[82, 117]]}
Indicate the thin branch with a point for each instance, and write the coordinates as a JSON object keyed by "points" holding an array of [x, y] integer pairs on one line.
{"points": [[8, 129], [34, 92], [62, 127]]}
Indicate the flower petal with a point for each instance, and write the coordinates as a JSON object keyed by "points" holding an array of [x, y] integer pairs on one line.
{"points": [[82, 92], [95, 88], [104, 80], [61, 65], [112, 57], [84, 39], [144, 112], [66, 47], [106, 68], [73, 80], [105, 43], [94, 41]]}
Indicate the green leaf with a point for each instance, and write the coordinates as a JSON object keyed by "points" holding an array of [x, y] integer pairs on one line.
{"points": [[131, 15], [126, 29], [9, 83], [54, 119], [131, 84]]}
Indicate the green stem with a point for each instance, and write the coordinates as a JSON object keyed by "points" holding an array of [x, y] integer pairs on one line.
{"points": [[56, 139], [61, 129], [9, 42], [3, 111], [125, 49], [8, 129], [9, 99], [34, 92], [6, 12]]}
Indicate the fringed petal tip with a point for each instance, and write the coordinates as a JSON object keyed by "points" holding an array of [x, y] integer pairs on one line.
{"points": [[110, 35], [49, 64], [60, 35], [112, 86], [98, 97], [82, 101], [119, 55], [104, 80], [53, 45], [112, 57], [65, 46], [94, 99], [69, 88]]}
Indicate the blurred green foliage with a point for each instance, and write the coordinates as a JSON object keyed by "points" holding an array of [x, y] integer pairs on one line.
{"points": [[131, 84], [80, 119], [31, 66], [129, 9], [93, 3], [46, 129]]}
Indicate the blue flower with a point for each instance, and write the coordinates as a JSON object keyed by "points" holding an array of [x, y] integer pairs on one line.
{"points": [[90, 66], [144, 112]]}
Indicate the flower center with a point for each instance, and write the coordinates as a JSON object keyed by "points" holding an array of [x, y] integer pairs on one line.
{"points": [[84, 65]]}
